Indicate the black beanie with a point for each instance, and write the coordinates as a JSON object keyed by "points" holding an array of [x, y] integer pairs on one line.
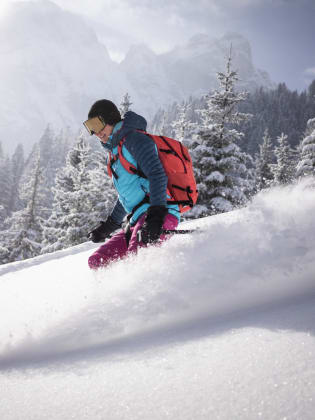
{"points": [[107, 110]]}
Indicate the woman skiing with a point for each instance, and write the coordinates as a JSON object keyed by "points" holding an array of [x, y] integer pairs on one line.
{"points": [[142, 195]]}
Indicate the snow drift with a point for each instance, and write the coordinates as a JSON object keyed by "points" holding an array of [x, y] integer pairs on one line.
{"points": [[260, 255]]}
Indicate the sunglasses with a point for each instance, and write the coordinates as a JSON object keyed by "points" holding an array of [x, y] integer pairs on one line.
{"points": [[94, 125]]}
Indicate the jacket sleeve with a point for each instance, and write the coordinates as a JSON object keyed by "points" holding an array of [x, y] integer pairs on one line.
{"points": [[118, 213], [143, 149]]}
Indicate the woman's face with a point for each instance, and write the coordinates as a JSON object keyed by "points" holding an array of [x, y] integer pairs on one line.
{"points": [[104, 134]]}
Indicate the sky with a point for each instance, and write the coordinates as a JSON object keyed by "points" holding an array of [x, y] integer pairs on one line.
{"points": [[281, 32]]}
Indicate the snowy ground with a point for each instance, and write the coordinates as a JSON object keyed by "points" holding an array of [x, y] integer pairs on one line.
{"points": [[214, 325]]}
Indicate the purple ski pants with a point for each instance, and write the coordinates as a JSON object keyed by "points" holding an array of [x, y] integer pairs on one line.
{"points": [[116, 247]]}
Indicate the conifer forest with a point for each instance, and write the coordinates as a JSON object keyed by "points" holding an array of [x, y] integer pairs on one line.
{"points": [[240, 143]]}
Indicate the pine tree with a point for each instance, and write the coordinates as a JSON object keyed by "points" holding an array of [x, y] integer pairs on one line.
{"points": [[4, 254], [23, 239], [46, 144], [17, 167], [219, 163], [63, 142], [5, 185], [264, 159], [311, 100], [163, 129], [306, 164], [103, 194], [125, 105], [182, 126], [2, 217], [53, 151], [80, 199], [71, 202], [284, 169]]}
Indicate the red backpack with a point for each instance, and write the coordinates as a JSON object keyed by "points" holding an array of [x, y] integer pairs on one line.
{"points": [[178, 167]]}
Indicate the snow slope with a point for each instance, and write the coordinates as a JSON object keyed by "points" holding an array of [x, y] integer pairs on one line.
{"points": [[219, 324]]}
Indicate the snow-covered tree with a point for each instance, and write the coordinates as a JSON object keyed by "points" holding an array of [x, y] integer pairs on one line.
{"points": [[17, 168], [5, 184], [125, 105], [163, 128], [284, 169], [2, 217], [306, 164], [53, 151], [103, 194], [182, 125], [46, 144], [71, 201], [4, 254], [80, 199], [23, 239], [219, 163], [264, 159], [63, 142]]}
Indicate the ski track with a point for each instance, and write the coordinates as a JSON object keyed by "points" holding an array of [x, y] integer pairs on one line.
{"points": [[253, 260]]}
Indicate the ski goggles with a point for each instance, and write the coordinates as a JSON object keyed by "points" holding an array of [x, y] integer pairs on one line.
{"points": [[94, 125]]}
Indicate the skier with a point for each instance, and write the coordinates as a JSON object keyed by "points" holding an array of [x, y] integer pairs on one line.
{"points": [[143, 199]]}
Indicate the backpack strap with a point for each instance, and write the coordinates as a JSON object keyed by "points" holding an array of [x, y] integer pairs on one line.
{"points": [[189, 202], [111, 160], [172, 150], [128, 166]]}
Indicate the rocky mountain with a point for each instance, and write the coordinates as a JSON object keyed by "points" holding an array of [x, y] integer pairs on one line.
{"points": [[202, 57], [148, 79], [53, 67]]}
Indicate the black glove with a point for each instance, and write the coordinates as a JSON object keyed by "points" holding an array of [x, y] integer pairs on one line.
{"points": [[152, 227], [103, 230]]}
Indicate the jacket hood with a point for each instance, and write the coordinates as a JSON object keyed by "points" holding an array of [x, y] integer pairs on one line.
{"points": [[131, 121], [134, 121]]}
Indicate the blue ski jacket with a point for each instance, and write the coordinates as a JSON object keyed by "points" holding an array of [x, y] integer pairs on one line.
{"points": [[140, 150]]}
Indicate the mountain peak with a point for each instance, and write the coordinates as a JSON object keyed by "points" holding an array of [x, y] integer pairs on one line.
{"points": [[137, 51]]}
